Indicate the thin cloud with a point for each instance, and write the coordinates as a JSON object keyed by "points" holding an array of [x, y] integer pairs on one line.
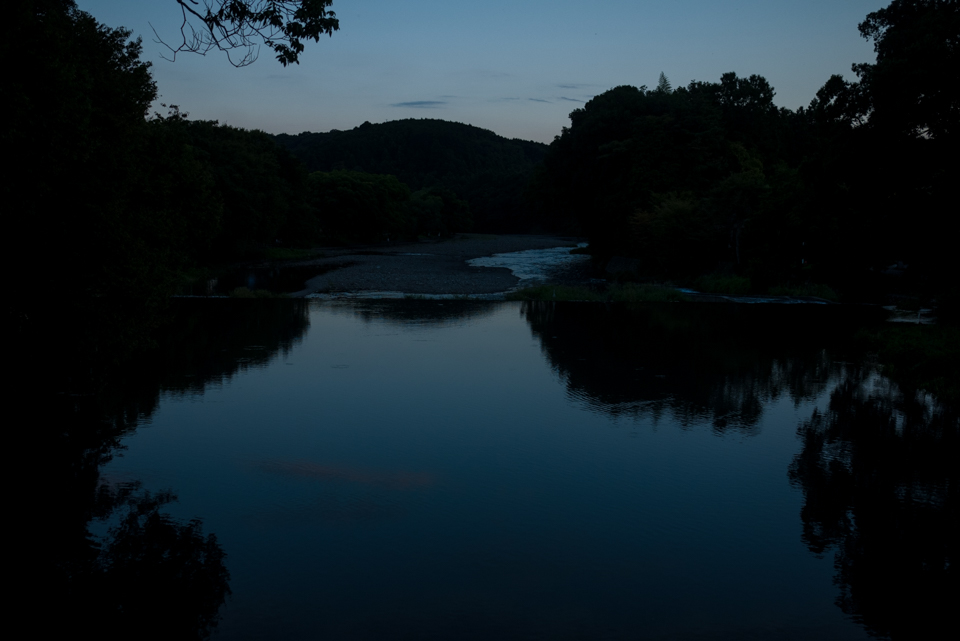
{"points": [[421, 104], [540, 100], [571, 99]]}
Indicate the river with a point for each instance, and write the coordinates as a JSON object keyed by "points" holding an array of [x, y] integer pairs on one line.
{"points": [[427, 469]]}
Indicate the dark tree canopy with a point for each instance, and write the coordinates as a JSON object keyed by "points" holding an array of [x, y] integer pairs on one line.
{"points": [[242, 25], [714, 176], [484, 169], [684, 180], [914, 87]]}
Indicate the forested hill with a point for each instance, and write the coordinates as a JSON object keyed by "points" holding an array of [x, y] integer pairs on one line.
{"points": [[489, 171]]}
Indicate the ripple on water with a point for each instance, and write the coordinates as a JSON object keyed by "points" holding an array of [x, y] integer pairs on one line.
{"points": [[532, 264]]}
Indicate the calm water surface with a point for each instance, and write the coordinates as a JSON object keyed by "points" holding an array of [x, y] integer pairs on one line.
{"points": [[475, 470]]}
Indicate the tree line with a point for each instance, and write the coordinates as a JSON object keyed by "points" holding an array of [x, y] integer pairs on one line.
{"points": [[107, 201], [714, 178], [489, 172]]}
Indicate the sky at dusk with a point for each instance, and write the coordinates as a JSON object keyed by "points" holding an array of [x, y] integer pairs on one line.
{"points": [[517, 68]]}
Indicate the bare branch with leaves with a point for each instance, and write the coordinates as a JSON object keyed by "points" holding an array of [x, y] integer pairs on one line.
{"points": [[242, 26]]}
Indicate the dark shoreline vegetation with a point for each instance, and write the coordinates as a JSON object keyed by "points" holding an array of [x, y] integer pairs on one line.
{"points": [[112, 210], [710, 183], [921, 358]]}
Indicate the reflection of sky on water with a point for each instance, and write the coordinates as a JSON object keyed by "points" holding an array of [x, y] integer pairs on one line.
{"points": [[387, 478]]}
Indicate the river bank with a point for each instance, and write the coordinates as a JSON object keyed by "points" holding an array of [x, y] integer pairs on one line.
{"points": [[429, 267]]}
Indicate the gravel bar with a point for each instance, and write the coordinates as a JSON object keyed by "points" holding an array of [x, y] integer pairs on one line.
{"points": [[430, 267]]}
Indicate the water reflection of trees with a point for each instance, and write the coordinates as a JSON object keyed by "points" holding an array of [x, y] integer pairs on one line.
{"points": [[151, 575], [878, 468], [416, 311], [209, 341], [698, 362], [878, 471], [149, 571]]}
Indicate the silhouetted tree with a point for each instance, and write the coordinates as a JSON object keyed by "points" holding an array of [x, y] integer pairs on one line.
{"points": [[229, 25], [888, 141], [914, 87], [115, 205], [261, 187], [663, 85], [713, 176], [675, 178]]}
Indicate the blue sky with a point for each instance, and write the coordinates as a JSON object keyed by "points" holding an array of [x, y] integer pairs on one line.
{"points": [[517, 68]]}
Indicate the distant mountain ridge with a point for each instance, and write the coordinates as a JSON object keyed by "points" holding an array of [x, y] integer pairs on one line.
{"points": [[487, 170]]}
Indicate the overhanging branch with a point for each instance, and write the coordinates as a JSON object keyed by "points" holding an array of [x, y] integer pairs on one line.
{"points": [[234, 26]]}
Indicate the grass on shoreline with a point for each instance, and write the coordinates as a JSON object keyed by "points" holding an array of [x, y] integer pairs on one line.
{"points": [[731, 285], [812, 290], [925, 357], [722, 284], [290, 253], [244, 292], [614, 293]]}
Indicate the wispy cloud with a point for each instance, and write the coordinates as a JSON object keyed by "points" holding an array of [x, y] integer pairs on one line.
{"points": [[421, 104], [571, 99], [540, 100]]}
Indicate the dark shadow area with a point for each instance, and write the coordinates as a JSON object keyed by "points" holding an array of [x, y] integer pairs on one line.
{"points": [[877, 468], [420, 312], [719, 362], [148, 571], [878, 472], [151, 573], [278, 279], [713, 181], [487, 171]]}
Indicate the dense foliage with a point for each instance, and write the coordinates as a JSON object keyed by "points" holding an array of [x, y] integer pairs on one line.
{"points": [[113, 207], [99, 204], [109, 203], [354, 206], [231, 25], [112, 204], [361, 207], [671, 177], [260, 188], [713, 177], [487, 171]]}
